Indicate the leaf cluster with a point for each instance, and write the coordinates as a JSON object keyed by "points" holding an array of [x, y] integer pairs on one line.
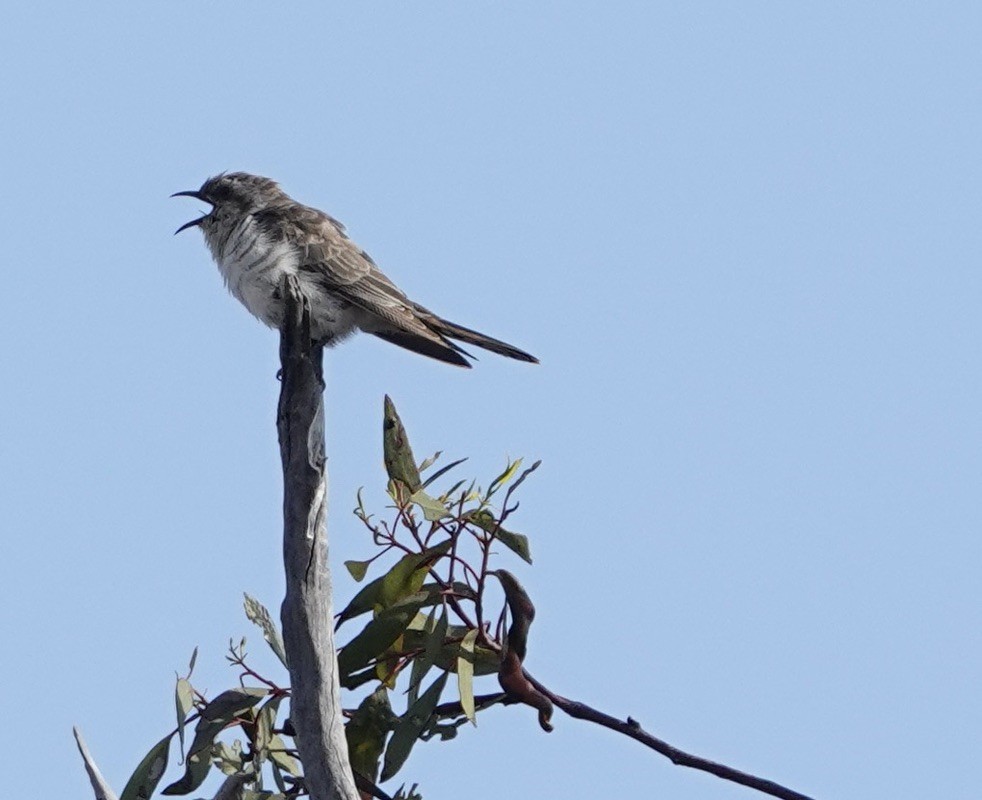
{"points": [[424, 625]]}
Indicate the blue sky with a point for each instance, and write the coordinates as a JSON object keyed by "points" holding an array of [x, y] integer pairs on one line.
{"points": [[742, 238]]}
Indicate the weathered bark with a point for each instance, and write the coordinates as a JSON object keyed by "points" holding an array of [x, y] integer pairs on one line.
{"points": [[307, 614]]}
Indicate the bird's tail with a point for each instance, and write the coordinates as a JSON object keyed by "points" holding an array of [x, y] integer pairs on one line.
{"points": [[450, 330]]}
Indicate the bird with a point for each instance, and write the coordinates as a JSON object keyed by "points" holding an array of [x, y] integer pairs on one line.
{"points": [[258, 234]]}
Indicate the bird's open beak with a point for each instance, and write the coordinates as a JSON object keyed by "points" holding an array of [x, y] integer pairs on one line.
{"points": [[197, 196]]}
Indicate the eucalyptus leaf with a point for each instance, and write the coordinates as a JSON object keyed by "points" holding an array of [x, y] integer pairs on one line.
{"points": [[277, 774], [196, 769], [410, 726], [420, 667], [366, 732], [403, 579], [265, 721], [217, 715], [356, 679], [257, 614], [378, 635], [229, 757], [184, 702], [445, 730], [433, 509], [465, 674], [204, 735], [148, 773], [357, 569], [504, 477], [443, 471], [486, 661], [231, 702], [399, 462], [279, 756], [515, 542], [429, 462]]}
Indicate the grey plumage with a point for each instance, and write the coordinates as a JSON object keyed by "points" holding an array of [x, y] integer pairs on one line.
{"points": [[257, 234]]}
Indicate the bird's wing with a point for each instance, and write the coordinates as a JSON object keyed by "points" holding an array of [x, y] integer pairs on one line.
{"points": [[344, 269]]}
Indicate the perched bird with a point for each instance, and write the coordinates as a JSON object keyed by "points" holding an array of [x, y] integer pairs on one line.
{"points": [[258, 234]]}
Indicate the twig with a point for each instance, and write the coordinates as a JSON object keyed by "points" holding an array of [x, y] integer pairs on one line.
{"points": [[632, 728]]}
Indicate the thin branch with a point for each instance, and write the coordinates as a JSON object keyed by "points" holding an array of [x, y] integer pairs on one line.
{"points": [[632, 728]]}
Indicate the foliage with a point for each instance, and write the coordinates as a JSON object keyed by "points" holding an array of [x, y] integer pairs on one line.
{"points": [[425, 624]]}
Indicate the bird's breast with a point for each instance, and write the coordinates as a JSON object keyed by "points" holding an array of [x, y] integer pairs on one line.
{"points": [[253, 265]]}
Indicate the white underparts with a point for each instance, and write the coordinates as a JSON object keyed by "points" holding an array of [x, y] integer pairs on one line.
{"points": [[253, 266]]}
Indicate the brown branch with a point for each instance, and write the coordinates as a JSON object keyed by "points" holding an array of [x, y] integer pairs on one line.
{"points": [[632, 728]]}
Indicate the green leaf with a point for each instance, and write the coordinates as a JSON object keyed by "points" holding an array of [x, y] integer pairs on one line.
{"points": [[504, 477], [434, 595], [359, 510], [217, 715], [196, 769], [366, 732], [419, 668], [148, 773], [429, 462], [410, 726], [277, 775], [515, 542], [265, 721], [445, 730], [433, 509], [465, 674], [435, 632], [436, 640], [408, 574], [184, 702], [378, 635], [194, 657], [258, 615], [403, 579], [486, 661], [357, 679], [443, 471], [451, 490], [229, 757], [357, 569], [279, 756], [399, 462], [204, 736], [231, 703]]}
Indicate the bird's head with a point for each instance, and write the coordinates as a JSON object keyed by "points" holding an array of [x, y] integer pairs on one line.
{"points": [[231, 196]]}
